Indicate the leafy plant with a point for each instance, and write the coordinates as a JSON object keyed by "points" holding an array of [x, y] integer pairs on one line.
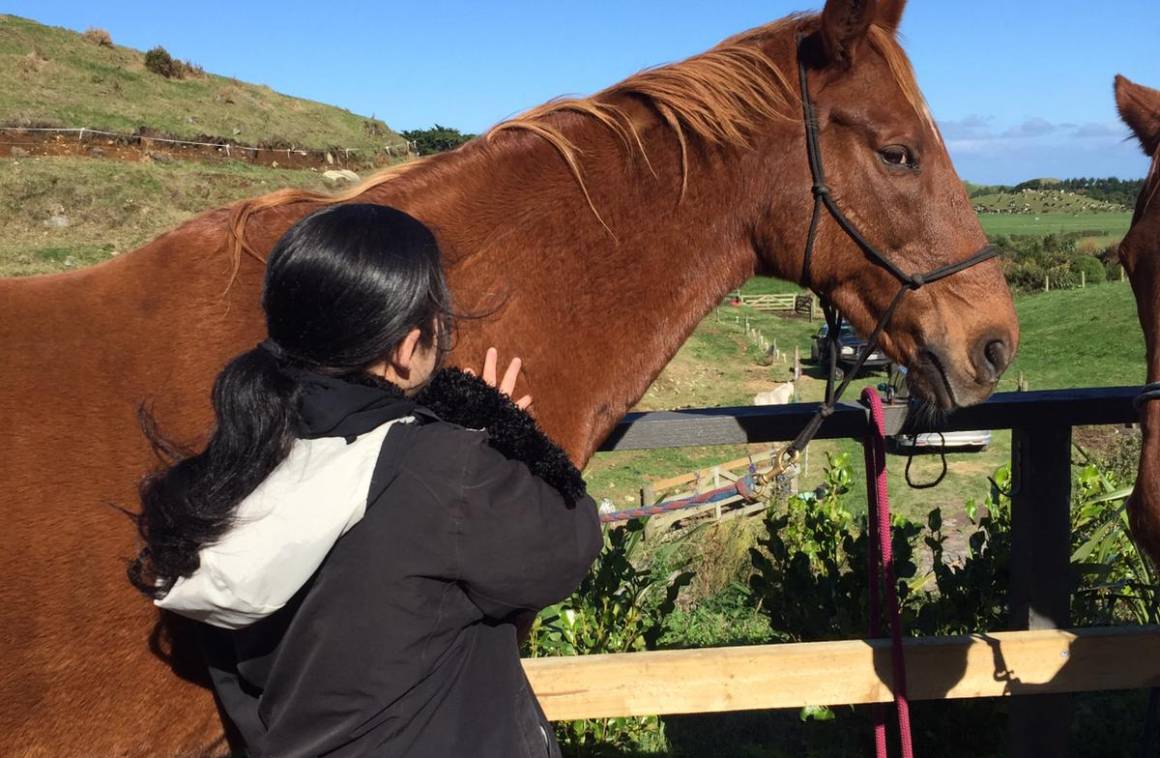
{"points": [[970, 594], [1115, 582], [618, 608]]}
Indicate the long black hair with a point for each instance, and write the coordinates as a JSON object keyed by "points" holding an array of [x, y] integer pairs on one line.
{"points": [[343, 287]]}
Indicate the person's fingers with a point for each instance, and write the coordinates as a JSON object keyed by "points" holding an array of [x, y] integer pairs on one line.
{"points": [[489, 365], [508, 385], [524, 402]]}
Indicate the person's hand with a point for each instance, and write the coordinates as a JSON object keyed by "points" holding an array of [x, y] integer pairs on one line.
{"points": [[507, 385]]}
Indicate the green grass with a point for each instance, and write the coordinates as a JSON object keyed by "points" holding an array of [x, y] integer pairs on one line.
{"points": [[113, 206], [1114, 224], [1078, 338], [52, 76]]}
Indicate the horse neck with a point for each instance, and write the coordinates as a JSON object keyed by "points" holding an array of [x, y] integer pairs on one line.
{"points": [[595, 312]]}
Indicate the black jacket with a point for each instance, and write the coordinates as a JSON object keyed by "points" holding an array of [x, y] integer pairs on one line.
{"points": [[403, 643]]}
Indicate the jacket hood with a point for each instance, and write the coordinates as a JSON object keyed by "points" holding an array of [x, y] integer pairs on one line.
{"points": [[284, 529]]}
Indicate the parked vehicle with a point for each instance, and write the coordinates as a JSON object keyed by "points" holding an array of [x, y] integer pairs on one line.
{"points": [[850, 345], [895, 391]]}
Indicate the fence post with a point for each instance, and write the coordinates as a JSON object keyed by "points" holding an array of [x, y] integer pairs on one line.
{"points": [[1040, 572]]}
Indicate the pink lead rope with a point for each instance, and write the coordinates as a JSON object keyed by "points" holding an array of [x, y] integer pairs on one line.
{"points": [[878, 495]]}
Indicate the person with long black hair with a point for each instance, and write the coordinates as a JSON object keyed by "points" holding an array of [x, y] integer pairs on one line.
{"points": [[364, 532]]}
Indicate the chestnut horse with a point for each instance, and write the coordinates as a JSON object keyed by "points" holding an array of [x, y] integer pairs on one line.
{"points": [[1139, 106], [595, 233]]}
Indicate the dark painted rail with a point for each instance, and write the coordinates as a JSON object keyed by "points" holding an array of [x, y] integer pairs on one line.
{"points": [[1040, 424], [773, 423]]}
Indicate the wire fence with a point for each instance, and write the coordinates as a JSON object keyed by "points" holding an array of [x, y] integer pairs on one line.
{"points": [[393, 149]]}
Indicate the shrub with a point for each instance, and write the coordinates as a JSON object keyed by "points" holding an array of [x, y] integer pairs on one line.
{"points": [[98, 37], [159, 61], [189, 68], [437, 139], [1026, 276], [1062, 277], [1090, 267], [618, 608]]}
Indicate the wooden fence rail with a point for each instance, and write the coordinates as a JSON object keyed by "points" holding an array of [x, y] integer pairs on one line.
{"points": [[769, 676], [804, 304], [712, 680]]}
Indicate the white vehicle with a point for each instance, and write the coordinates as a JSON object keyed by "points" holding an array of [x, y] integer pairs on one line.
{"points": [[967, 441]]}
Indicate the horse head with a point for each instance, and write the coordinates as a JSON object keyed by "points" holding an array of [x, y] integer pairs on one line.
{"points": [[888, 171], [1139, 107]]}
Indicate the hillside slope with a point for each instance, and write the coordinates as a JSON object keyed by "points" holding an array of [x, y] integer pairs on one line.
{"points": [[1042, 201], [50, 76]]}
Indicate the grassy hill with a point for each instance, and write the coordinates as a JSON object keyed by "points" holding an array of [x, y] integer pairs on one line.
{"points": [[50, 76], [59, 213], [1042, 201]]}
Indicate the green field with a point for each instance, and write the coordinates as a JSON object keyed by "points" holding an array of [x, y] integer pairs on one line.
{"points": [[51, 76], [1100, 224]]}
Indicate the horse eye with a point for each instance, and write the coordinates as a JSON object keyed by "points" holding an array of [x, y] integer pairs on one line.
{"points": [[897, 155]]}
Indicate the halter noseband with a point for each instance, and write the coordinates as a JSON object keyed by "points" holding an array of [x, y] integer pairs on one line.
{"points": [[823, 197]]}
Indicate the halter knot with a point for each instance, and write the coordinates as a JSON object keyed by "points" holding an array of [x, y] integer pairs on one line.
{"points": [[820, 190], [916, 281]]}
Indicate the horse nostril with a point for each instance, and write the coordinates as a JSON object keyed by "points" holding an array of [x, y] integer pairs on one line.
{"points": [[996, 357]]}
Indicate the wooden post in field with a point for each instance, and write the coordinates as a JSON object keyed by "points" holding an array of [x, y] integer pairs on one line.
{"points": [[647, 495], [1121, 273], [797, 363], [1083, 280], [1046, 284]]}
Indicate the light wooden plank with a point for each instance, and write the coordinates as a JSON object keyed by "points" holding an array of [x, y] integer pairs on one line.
{"points": [[664, 484], [853, 671]]}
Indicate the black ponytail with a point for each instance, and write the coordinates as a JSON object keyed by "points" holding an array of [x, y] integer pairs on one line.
{"points": [[343, 288]]}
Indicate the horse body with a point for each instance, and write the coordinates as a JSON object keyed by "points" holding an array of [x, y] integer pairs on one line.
{"points": [[591, 236], [1140, 253]]}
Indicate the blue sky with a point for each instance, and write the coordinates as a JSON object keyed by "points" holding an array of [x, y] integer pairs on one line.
{"points": [[1021, 89]]}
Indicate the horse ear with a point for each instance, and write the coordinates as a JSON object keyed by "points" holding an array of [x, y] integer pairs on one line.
{"points": [[844, 27], [890, 14], [1139, 107]]}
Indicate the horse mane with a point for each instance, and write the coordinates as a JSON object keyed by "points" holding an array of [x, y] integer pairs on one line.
{"points": [[720, 97]]}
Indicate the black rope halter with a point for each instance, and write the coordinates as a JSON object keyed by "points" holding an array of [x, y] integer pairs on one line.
{"points": [[823, 197], [1147, 392]]}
